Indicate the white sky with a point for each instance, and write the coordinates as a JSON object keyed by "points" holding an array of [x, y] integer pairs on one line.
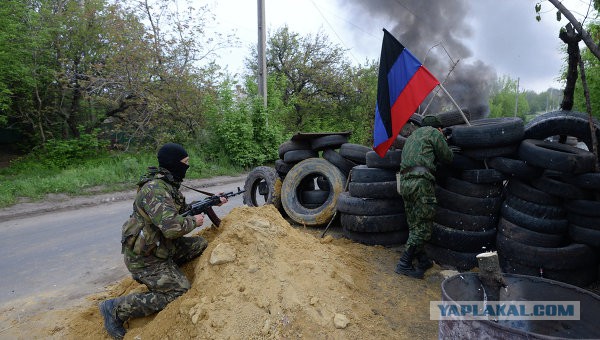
{"points": [[506, 34]]}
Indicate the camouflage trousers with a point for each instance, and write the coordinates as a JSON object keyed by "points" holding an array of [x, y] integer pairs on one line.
{"points": [[419, 203], [164, 279]]}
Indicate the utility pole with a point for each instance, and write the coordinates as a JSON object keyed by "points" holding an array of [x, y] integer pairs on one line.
{"points": [[517, 98], [262, 59]]}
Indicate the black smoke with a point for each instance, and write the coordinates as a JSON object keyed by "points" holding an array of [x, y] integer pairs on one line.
{"points": [[435, 32]]}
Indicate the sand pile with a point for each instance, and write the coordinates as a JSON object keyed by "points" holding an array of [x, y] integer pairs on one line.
{"points": [[261, 278]]}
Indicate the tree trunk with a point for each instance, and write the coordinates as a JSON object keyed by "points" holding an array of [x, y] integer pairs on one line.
{"points": [[75, 103], [490, 275], [571, 38]]}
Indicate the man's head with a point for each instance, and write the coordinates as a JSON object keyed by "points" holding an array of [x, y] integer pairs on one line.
{"points": [[173, 157], [433, 121]]}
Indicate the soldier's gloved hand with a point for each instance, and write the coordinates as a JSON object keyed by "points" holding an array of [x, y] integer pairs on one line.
{"points": [[455, 149]]}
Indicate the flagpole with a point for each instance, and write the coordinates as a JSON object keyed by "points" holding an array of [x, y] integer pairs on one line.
{"points": [[444, 82], [453, 102]]}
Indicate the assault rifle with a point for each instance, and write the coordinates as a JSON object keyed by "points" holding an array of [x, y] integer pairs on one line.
{"points": [[205, 205]]}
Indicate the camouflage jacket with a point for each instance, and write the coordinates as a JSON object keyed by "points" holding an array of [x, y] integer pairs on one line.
{"points": [[424, 147], [156, 217]]}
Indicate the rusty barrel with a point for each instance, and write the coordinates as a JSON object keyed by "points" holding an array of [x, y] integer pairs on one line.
{"points": [[467, 287]]}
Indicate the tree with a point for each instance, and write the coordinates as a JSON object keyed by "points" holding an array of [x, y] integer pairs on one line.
{"points": [[318, 88], [307, 67], [503, 99], [78, 64], [172, 79], [58, 47], [578, 62], [585, 36], [592, 69], [27, 66], [14, 76], [543, 102]]}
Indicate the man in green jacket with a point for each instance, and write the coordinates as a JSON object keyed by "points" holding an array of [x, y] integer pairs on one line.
{"points": [[153, 242], [422, 150]]}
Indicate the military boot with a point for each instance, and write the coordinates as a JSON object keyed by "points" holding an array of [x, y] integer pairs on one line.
{"points": [[112, 323], [423, 261], [405, 265]]}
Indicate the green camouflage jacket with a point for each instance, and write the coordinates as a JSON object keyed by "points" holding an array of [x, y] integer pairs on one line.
{"points": [[156, 217], [424, 147]]}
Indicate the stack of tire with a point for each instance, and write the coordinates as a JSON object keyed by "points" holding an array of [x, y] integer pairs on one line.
{"points": [[584, 214], [332, 147], [469, 194], [465, 221], [372, 211], [541, 211], [310, 185]]}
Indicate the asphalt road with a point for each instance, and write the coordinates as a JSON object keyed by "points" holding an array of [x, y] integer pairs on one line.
{"points": [[53, 259]]}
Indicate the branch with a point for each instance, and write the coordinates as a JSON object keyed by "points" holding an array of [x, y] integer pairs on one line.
{"points": [[585, 36], [588, 105]]}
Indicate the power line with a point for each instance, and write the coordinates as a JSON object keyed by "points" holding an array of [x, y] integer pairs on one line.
{"points": [[351, 24], [334, 31], [408, 9]]}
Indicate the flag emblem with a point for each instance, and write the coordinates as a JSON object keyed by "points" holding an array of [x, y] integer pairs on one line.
{"points": [[402, 86]]}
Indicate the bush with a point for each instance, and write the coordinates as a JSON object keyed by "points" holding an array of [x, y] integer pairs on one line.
{"points": [[240, 132], [60, 153]]}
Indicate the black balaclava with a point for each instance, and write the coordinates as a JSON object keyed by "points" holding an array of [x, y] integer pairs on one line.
{"points": [[170, 156]]}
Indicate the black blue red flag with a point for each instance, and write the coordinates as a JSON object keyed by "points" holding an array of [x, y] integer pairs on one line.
{"points": [[402, 86]]}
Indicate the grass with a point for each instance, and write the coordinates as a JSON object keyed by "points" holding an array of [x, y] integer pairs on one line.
{"points": [[31, 179]]}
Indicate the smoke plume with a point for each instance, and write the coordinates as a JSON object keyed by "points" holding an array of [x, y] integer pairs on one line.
{"points": [[434, 31]]}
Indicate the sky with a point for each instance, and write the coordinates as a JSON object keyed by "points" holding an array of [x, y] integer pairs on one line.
{"points": [[501, 34]]}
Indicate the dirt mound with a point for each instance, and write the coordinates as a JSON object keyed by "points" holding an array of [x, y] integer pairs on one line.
{"points": [[261, 278]]}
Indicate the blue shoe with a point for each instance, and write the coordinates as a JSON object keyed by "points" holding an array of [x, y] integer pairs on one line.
{"points": [[112, 324]]}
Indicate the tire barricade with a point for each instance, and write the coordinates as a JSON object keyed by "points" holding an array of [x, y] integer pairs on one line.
{"points": [[537, 230], [308, 177], [510, 188]]}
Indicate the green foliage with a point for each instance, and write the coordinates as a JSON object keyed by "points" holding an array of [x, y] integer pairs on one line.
{"points": [[314, 88], [106, 172], [548, 100], [25, 71], [74, 66], [71, 64], [60, 153], [592, 74], [242, 131], [503, 99]]}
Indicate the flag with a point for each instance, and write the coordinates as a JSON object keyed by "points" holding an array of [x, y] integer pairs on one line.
{"points": [[402, 86]]}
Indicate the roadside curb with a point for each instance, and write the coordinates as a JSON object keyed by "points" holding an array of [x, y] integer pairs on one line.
{"points": [[54, 203]]}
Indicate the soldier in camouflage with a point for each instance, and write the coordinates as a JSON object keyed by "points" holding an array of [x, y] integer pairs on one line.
{"points": [[416, 183], [153, 244]]}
